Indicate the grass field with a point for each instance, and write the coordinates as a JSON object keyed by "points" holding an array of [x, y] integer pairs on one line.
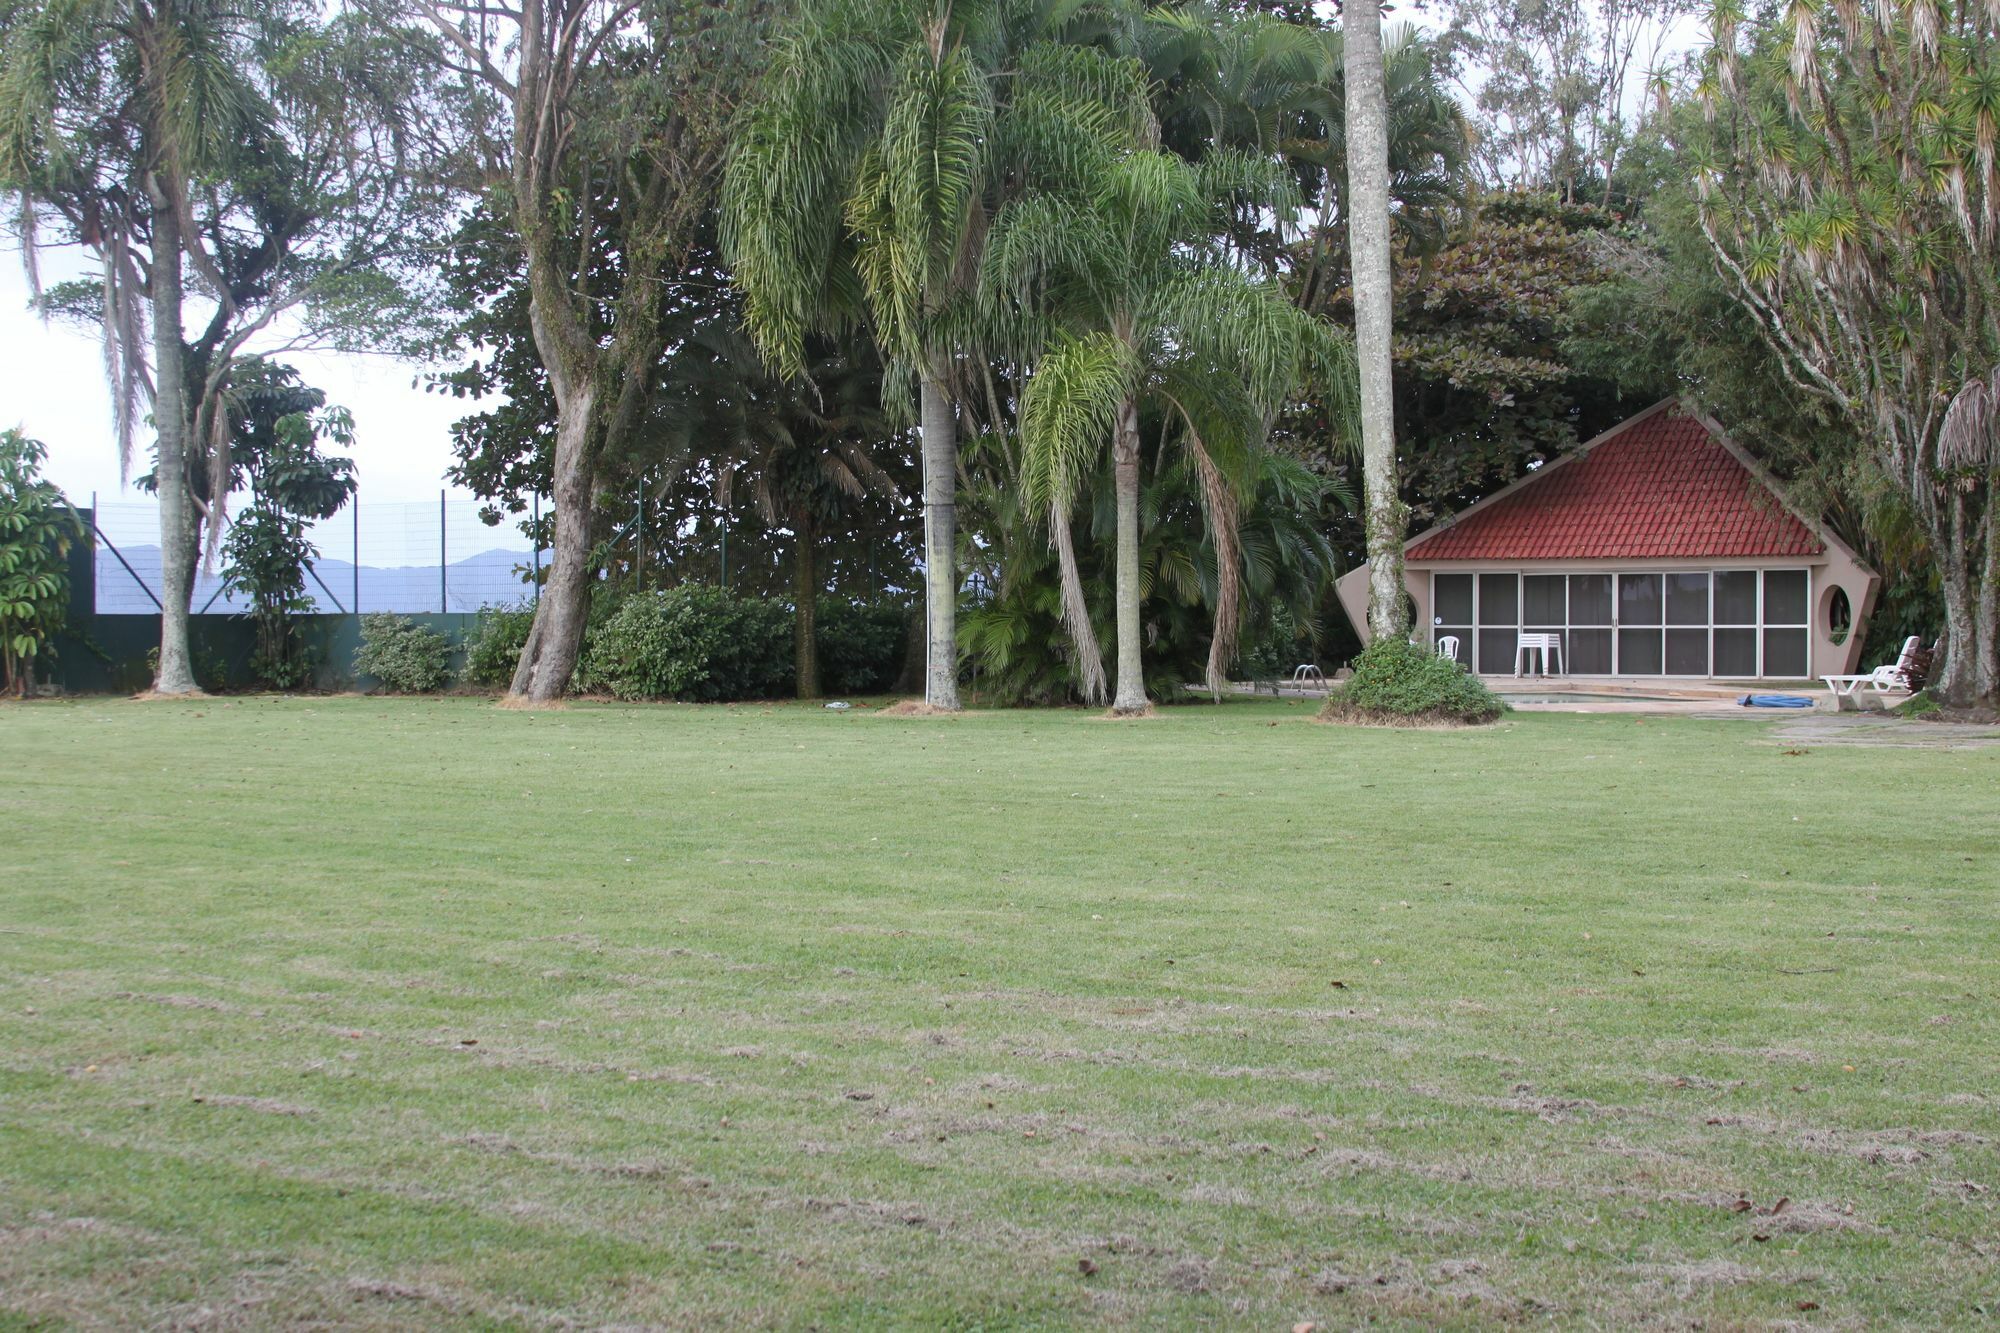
{"points": [[393, 1013]]}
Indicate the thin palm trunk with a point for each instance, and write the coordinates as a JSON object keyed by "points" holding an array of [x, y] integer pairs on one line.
{"points": [[1076, 610], [805, 599], [1131, 695], [1368, 230], [940, 447], [170, 419]]}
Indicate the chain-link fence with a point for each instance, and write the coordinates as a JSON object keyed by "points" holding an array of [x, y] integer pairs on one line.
{"points": [[413, 557]]}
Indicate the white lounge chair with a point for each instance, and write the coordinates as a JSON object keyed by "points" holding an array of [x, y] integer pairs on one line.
{"points": [[1898, 677]]}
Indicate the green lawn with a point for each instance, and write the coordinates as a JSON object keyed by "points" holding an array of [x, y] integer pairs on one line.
{"points": [[391, 1013]]}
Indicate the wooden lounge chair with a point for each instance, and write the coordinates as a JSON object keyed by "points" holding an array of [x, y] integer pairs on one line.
{"points": [[1903, 676]]}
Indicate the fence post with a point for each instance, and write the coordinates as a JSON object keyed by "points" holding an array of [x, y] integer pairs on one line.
{"points": [[535, 544], [354, 513], [443, 592], [639, 545]]}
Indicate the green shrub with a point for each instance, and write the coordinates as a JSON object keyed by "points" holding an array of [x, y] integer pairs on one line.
{"points": [[494, 649], [860, 645], [694, 643], [1921, 704], [1399, 682], [37, 526], [405, 656]]}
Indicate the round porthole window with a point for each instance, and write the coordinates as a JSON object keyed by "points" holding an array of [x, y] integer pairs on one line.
{"points": [[1838, 614]]}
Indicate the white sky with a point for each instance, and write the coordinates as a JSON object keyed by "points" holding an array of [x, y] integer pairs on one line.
{"points": [[54, 390]]}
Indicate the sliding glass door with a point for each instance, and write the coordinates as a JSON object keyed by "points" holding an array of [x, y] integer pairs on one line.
{"points": [[1499, 622], [1733, 623], [1639, 607], [1787, 597], [1451, 613], [1687, 624], [1587, 652]]}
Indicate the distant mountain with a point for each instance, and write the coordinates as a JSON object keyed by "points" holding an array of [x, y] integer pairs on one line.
{"points": [[490, 578]]}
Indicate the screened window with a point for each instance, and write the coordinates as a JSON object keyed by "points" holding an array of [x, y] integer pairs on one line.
{"points": [[1732, 623]]}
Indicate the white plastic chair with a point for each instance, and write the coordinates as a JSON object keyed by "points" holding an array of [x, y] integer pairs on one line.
{"points": [[1550, 646], [1447, 646]]}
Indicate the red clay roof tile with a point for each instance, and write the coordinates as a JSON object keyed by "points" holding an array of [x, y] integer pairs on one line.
{"points": [[1665, 488]]}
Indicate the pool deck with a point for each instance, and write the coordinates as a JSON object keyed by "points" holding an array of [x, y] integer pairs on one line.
{"points": [[1639, 694], [1646, 694]]}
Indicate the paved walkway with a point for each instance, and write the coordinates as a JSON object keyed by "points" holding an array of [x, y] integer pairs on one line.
{"points": [[1892, 732]]}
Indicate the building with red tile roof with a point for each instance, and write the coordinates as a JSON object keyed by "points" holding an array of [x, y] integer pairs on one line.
{"points": [[1659, 548]]}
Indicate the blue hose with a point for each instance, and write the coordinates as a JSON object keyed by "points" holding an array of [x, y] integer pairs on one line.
{"points": [[1775, 701]]}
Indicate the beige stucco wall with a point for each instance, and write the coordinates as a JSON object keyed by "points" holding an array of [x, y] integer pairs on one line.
{"points": [[1835, 568]]}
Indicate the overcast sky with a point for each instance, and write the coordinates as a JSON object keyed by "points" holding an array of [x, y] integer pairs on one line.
{"points": [[54, 390]]}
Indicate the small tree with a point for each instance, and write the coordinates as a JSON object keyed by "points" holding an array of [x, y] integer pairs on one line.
{"points": [[37, 526], [279, 425]]}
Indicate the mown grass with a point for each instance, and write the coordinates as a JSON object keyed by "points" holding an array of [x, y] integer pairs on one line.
{"points": [[393, 1013]]}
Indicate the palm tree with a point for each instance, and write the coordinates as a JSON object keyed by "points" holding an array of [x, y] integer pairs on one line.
{"points": [[1019, 634], [1152, 315], [849, 197], [109, 110], [861, 190], [1367, 126]]}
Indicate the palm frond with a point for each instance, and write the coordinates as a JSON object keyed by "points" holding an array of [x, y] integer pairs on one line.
{"points": [[1067, 411], [933, 145]]}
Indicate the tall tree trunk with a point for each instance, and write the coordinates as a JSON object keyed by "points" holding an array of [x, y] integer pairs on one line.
{"points": [[1956, 681], [1131, 695], [170, 418], [1368, 231], [1986, 619], [1968, 563], [555, 640], [940, 431], [805, 599]]}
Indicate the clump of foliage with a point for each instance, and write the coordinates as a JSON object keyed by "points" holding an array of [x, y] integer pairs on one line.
{"points": [[696, 643], [37, 526], [494, 649], [279, 423], [407, 657], [1921, 704], [1015, 634], [860, 644], [1397, 683]]}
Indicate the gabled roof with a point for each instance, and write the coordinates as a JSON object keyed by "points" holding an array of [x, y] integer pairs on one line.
{"points": [[1662, 485]]}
